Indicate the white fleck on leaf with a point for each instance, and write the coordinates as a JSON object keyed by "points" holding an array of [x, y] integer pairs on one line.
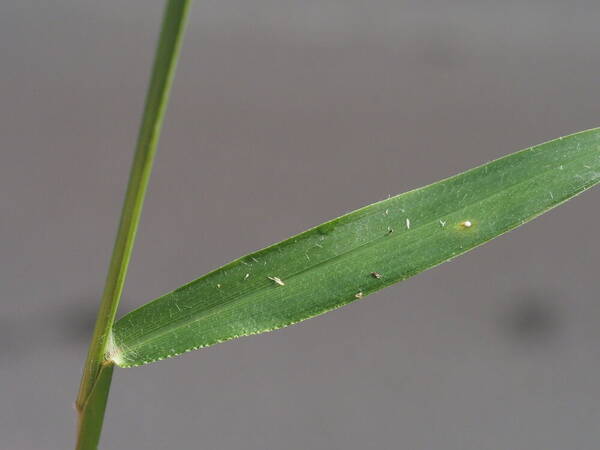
{"points": [[277, 280]]}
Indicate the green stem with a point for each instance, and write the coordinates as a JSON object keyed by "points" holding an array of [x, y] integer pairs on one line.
{"points": [[97, 372]]}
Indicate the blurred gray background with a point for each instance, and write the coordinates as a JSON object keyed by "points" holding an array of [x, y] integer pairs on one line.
{"points": [[285, 114]]}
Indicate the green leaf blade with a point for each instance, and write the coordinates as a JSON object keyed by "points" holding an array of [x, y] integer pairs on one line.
{"points": [[359, 253]]}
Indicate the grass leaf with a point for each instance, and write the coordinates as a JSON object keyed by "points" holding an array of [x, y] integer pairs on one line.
{"points": [[359, 253]]}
